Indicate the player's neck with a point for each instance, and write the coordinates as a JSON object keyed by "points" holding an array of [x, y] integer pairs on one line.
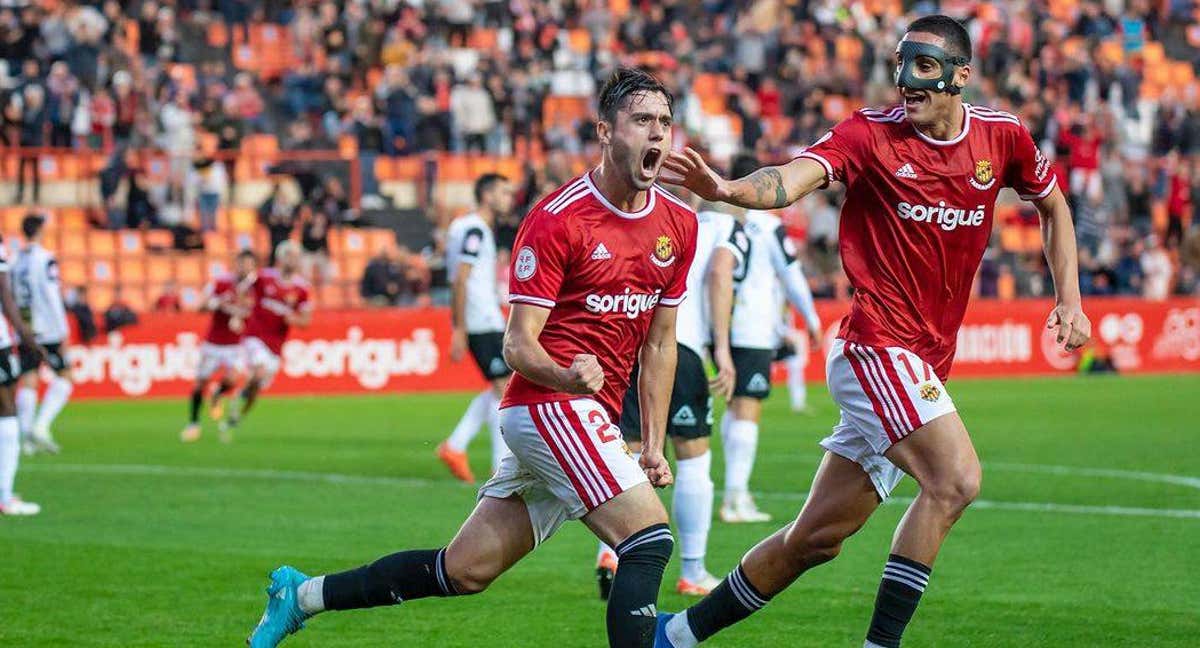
{"points": [[948, 127], [485, 214], [617, 189]]}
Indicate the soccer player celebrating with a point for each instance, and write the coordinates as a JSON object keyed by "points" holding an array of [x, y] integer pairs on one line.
{"points": [[921, 180], [771, 264], [720, 247], [39, 295], [477, 320], [10, 371], [578, 322], [228, 299], [281, 301]]}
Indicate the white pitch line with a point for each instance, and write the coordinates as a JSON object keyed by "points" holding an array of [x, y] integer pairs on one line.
{"points": [[416, 482], [1079, 471]]}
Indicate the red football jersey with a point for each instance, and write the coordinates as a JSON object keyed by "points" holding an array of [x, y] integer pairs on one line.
{"points": [[601, 272], [225, 291], [917, 217], [274, 298]]}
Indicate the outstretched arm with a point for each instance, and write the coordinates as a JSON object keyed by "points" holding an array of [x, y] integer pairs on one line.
{"points": [[767, 188], [1058, 240]]}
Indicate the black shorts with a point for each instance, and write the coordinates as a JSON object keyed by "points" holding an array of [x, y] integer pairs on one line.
{"points": [[488, 351], [690, 414], [10, 367], [54, 358], [753, 372]]}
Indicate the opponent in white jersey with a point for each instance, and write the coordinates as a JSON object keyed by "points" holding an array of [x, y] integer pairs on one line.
{"points": [[770, 275], [10, 370], [477, 319], [39, 295], [704, 313]]}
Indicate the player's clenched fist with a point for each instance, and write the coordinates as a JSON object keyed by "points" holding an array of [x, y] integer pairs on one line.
{"points": [[658, 471], [584, 376]]}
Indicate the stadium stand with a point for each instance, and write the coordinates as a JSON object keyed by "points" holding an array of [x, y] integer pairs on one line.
{"points": [[170, 123]]}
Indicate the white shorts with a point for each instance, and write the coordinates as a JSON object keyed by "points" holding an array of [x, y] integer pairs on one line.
{"points": [[259, 356], [217, 357], [885, 393], [567, 459]]}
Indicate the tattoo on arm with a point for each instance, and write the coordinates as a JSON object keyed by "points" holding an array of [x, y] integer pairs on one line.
{"points": [[766, 182]]}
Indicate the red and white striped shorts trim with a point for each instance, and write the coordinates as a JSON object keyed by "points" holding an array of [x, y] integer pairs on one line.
{"points": [[887, 390], [565, 452]]}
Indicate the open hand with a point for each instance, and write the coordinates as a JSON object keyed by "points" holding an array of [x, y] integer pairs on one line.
{"points": [[688, 169]]}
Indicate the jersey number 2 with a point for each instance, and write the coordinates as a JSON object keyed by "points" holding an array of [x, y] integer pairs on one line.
{"points": [[596, 418]]}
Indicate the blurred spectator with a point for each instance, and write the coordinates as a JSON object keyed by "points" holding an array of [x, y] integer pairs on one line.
{"points": [[118, 313], [314, 243], [76, 302], [474, 114], [208, 182], [168, 301], [30, 114], [278, 218], [63, 96], [383, 281], [1156, 270]]}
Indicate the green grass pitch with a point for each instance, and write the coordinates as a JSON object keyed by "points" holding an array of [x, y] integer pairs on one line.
{"points": [[1088, 533]]}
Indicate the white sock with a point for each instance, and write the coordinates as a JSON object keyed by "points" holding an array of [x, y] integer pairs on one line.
{"points": [[680, 633], [26, 408], [692, 505], [470, 423], [604, 549], [310, 596], [796, 385], [10, 455], [740, 448], [868, 644], [55, 400], [499, 448]]}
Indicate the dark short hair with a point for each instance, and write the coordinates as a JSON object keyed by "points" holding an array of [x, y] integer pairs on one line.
{"points": [[623, 85], [32, 224], [247, 253], [958, 41], [485, 183], [743, 165]]}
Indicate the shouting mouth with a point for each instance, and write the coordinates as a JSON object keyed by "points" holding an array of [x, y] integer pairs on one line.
{"points": [[915, 98], [650, 161]]}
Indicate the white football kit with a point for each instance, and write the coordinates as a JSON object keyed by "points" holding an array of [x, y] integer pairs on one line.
{"points": [[469, 240], [39, 293]]}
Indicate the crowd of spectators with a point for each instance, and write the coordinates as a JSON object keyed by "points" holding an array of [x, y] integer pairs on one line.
{"points": [[409, 77]]}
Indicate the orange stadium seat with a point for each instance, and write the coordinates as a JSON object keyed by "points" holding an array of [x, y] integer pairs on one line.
{"points": [[352, 266], [332, 296], [216, 243], [74, 271], [135, 297], [243, 219], [159, 240], [131, 269], [215, 267], [190, 269], [72, 244], [100, 297], [72, 219], [160, 269], [102, 244], [102, 271], [130, 243], [378, 238], [10, 219]]}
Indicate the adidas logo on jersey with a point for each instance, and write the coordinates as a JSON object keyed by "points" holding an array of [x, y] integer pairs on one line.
{"points": [[758, 383], [685, 417], [601, 253], [906, 171]]}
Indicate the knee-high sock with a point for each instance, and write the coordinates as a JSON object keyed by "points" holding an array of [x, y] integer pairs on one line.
{"points": [[797, 388], [733, 600], [10, 455], [26, 409], [900, 589], [470, 423], [194, 405], [632, 613], [692, 505], [741, 444], [393, 579], [499, 448], [56, 398]]}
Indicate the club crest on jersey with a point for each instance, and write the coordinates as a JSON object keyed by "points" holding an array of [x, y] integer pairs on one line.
{"points": [[984, 177], [930, 392], [664, 252]]}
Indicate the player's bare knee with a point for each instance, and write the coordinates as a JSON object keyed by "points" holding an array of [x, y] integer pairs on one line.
{"points": [[469, 579], [809, 547], [956, 492]]}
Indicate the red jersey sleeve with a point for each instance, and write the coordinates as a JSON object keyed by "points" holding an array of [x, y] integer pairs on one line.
{"points": [[1029, 171], [540, 259], [677, 289], [303, 299], [841, 150]]}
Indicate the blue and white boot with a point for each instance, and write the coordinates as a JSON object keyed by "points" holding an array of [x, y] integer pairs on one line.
{"points": [[283, 615]]}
